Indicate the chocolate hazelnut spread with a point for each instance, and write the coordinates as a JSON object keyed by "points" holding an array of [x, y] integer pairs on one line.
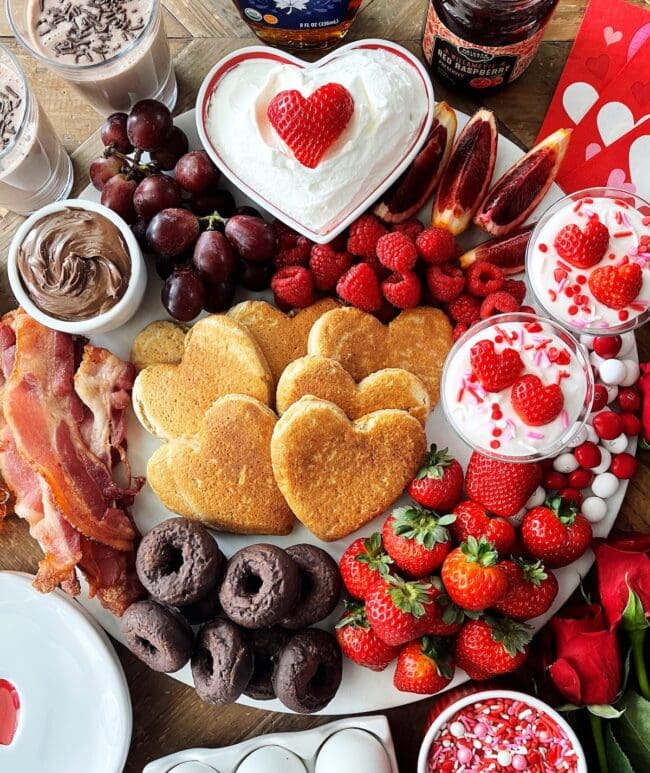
{"points": [[74, 264]]}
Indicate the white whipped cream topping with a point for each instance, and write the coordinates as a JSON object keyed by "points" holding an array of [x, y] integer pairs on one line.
{"points": [[470, 407], [390, 104], [543, 261]]}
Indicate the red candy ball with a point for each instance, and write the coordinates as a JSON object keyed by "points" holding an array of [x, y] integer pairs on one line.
{"points": [[600, 397], [607, 346], [571, 496], [588, 454], [631, 424], [629, 399], [554, 480], [624, 466], [580, 479], [608, 425]]}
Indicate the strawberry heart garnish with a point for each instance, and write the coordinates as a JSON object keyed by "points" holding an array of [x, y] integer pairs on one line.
{"points": [[585, 248], [535, 403], [309, 126], [9, 708], [494, 371], [616, 286]]}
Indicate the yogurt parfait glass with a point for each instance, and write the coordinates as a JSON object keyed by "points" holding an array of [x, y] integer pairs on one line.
{"points": [[517, 387], [591, 280]]}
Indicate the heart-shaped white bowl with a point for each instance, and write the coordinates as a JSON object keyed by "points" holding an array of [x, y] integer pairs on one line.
{"points": [[349, 209]]}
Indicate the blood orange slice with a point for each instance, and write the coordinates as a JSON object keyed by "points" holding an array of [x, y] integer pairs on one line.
{"points": [[507, 252]]}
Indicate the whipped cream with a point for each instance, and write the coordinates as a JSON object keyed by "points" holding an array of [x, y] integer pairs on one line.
{"points": [[472, 410], [556, 292], [390, 104]]}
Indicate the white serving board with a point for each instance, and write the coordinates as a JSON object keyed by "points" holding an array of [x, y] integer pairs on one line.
{"points": [[361, 690]]}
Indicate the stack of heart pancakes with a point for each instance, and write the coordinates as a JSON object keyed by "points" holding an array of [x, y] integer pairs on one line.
{"points": [[352, 395]]}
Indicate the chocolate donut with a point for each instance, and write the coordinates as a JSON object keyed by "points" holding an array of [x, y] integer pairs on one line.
{"points": [[308, 671], [320, 586], [203, 610], [222, 663], [259, 587], [157, 635], [267, 644], [178, 562]]}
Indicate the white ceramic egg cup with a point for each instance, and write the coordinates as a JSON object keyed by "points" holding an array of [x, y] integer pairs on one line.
{"points": [[305, 745]]}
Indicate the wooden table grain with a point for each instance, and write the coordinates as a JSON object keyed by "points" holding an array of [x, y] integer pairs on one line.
{"points": [[168, 716]]}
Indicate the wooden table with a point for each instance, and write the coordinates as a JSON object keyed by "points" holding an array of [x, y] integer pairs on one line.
{"points": [[168, 716]]}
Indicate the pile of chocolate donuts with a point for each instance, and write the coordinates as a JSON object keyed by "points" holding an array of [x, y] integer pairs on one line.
{"points": [[254, 613]]}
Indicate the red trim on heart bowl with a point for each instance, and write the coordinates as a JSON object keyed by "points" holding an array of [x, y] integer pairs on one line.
{"points": [[225, 65], [9, 711]]}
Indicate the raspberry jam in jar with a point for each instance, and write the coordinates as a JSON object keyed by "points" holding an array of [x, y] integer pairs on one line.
{"points": [[483, 44]]}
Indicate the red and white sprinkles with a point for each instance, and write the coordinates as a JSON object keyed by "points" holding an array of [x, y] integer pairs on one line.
{"points": [[502, 734]]}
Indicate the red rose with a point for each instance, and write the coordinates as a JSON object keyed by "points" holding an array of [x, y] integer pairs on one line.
{"points": [[587, 669], [623, 566]]}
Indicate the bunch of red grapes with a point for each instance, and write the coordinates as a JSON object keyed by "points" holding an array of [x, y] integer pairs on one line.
{"points": [[202, 242]]}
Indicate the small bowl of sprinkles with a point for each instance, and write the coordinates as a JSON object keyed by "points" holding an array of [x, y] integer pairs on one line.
{"points": [[500, 730]]}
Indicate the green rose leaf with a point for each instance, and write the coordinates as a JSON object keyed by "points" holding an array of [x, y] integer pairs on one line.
{"points": [[605, 711], [633, 730], [616, 758], [634, 618]]}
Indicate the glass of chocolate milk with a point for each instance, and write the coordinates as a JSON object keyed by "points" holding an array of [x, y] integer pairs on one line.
{"points": [[34, 168], [115, 52]]}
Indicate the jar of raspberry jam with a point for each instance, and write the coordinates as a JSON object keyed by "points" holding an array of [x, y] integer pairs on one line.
{"points": [[483, 44]]}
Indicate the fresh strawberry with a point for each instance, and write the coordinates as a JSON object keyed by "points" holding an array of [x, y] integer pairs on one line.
{"points": [[402, 290], [494, 371], [397, 610], [502, 487], [328, 266], [364, 235], [446, 283], [436, 246], [310, 125], [438, 484], [585, 248], [293, 287], [465, 308], [472, 575], [536, 404], [363, 563], [358, 641], [359, 286], [397, 252], [531, 589], [417, 540], [472, 520], [293, 249], [616, 286], [424, 666], [555, 533], [489, 647], [443, 617], [484, 278]]}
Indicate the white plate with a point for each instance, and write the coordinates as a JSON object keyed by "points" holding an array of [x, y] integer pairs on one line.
{"points": [[75, 710], [361, 690]]}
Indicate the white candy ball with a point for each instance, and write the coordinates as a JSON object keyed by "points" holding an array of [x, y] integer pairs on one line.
{"points": [[504, 758], [617, 445], [632, 372], [627, 344], [612, 371], [592, 435], [605, 485], [536, 498], [517, 519], [457, 729], [587, 340], [596, 360], [565, 463], [594, 509], [612, 392], [605, 461], [579, 438]]}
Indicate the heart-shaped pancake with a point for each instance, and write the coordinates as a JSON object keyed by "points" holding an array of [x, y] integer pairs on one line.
{"points": [[337, 475], [281, 337], [162, 341], [329, 380], [222, 475], [220, 358], [417, 340]]}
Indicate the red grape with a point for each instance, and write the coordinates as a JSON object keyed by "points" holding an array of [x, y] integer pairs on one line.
{"points": [[252, 237], [195, 171], [114, 133], [139, 229], [254, 276], [103, 169], [172, 232], [117, 194], [164, 266], [175, 145], [213, 259], [148, 124], [218, 297], [206, 203], [246, 210], [155, 193], [183, 295]]}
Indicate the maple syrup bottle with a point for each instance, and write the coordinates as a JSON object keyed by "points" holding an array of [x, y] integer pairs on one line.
{"points": [[301, 24], [483, 44]]}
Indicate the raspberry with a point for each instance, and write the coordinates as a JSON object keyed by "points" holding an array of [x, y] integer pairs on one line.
{"points": [[460, 328], [397, 252], [436, 246], [364, 235], [293, 287], [465, 309], [359, 286], [411, 228], [402, 290], [379, 269], [484, 278], [293, 249], [328, 266], [516, 288], [445, 282], [498, 303]]}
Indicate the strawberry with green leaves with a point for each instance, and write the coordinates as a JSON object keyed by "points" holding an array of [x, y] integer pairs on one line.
{"points": [[473, 520], [417, 540], [398, 610], [556, 533], [424, 666], [438, 484], [359, 642], [502, 487], [531, 589], [363, 562], [444, 618], [492, 646], [473, 576]]}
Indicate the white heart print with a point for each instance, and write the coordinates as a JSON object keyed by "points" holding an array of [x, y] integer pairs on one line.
{"points": [[578, 99], [614, 120], [639, 160]]}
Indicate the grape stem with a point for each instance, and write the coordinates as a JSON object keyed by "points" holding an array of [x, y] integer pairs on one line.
{"points": [[211, 221], [133, 163]]}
